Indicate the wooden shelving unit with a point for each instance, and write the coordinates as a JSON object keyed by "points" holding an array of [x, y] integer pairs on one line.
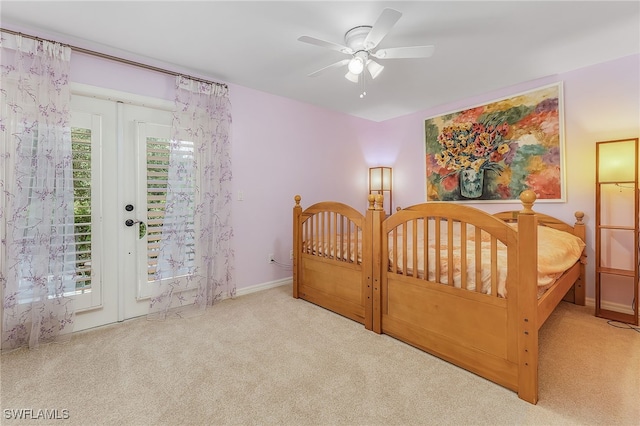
{"points": [[617, 227]]}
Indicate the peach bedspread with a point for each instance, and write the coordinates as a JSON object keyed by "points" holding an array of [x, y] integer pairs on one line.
{"points": [[557, 252]]}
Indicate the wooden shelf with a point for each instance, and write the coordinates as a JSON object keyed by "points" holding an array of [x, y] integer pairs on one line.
{"points": [[612, 168], [617, 227], [618, 182], [615, 271], [618, 316]]}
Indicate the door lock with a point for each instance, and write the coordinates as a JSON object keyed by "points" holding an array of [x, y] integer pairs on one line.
{"points": [[142, 231]]}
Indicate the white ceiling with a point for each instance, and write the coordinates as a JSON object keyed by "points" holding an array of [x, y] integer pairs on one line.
{"points": [[480, 46]]}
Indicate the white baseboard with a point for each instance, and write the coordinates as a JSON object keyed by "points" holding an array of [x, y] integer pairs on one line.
{"points": [[610, 306], [264, 286]]}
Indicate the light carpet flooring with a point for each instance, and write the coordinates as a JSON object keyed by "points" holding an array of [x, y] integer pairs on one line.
{"points": [[266, 358]]}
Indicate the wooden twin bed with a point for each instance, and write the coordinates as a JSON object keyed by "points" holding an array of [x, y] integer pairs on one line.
{"points": [[469, 287]]}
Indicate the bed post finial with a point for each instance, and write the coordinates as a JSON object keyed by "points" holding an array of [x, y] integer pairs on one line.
{"points": [[579, 216], [297, 245], [372, 199], [379, 201], [527, 197]]}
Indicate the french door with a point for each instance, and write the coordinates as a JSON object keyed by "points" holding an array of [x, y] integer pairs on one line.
{"points": [[120, 151]]}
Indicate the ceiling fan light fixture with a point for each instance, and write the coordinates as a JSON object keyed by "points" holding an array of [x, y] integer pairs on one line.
{"points": [[359, 61], [351, 77], [374, 68], [356, 65]]}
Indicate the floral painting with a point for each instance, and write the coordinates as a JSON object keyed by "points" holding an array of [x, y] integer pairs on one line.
{"points": [[494, 151]]}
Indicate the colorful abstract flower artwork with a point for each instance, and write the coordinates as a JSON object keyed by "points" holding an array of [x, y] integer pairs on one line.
{"points": [[494, 151]]}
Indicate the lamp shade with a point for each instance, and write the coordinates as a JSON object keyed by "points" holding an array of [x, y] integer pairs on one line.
{"points": [[381, 182], [380, 179], [616, 161]]}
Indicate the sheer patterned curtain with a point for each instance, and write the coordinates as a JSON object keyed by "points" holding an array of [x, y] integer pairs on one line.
{"points": [[196, 259], [37, 254]]}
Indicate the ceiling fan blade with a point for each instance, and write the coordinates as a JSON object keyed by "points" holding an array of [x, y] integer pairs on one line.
{"points": [[326, 44], [404, 52], [385, 22], [334, 65]]}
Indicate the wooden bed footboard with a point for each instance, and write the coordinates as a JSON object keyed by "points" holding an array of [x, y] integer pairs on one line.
{"points": [[332, 258], [463, 317]]}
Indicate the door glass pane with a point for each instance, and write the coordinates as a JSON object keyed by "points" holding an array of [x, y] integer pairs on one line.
{"points": [[158, 156], [86, 152], [157, 175], [81, 151]]}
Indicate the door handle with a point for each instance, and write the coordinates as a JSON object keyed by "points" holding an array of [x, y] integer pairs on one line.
{"points": [[143, 227]]}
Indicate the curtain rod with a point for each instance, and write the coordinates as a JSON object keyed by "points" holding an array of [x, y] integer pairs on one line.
{"points": [[115, 58]]}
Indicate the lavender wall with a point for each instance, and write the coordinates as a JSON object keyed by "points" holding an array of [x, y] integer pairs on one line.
{"points": [[282, 148]]}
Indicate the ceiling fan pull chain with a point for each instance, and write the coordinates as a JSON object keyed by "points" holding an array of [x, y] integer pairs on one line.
{"points": [[363, 93]]}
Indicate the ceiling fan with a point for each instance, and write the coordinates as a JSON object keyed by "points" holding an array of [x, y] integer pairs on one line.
{"points": [[361, 43]]}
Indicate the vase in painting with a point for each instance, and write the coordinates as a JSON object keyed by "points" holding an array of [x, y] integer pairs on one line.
{"points": [[471, 182]]}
